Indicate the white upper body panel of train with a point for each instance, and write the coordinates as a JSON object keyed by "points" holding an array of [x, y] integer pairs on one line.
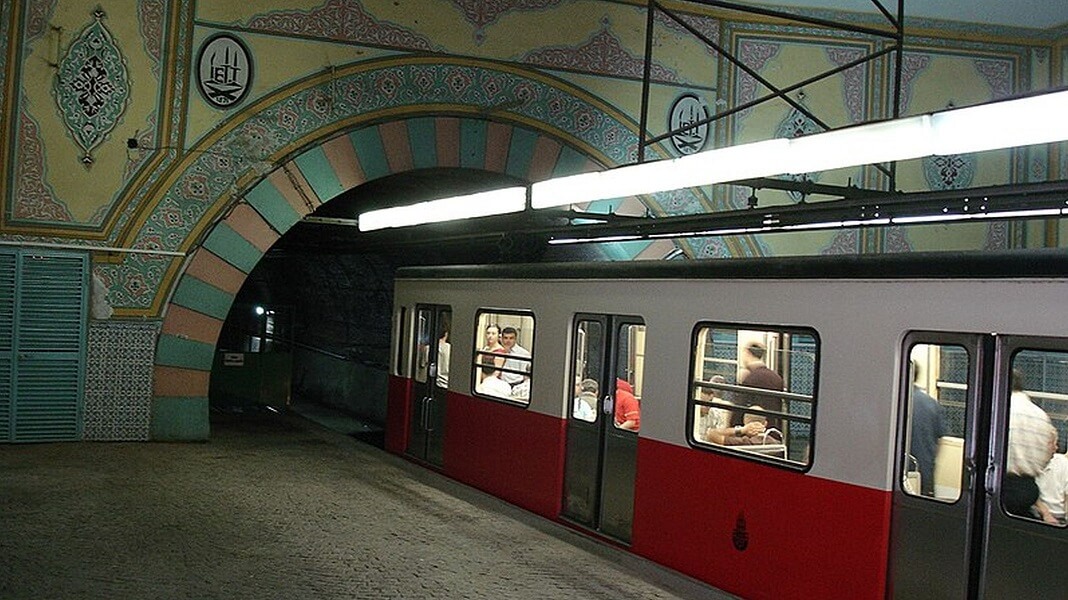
{"points": [[860, 325]]}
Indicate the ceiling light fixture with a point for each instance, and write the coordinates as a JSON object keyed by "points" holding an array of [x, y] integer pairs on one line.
{"points": [[481, 204], [1023, 121]]}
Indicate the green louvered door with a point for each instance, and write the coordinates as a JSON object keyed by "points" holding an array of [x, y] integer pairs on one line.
{"points": [[7, 341], [43, 344]]}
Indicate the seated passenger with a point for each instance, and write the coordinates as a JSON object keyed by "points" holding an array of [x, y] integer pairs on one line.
{"points": [[521, 390], [752, 431], [585, 401], [491, 384], [1053, 487], [710, 418], [628, 411]]}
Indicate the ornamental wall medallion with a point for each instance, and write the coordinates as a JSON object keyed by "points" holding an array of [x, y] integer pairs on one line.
{"points": [[689, 119], [224, 71], [92, 86]]}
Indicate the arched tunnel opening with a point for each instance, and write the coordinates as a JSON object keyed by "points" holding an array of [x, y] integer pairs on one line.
{"points": [[309, 330]]}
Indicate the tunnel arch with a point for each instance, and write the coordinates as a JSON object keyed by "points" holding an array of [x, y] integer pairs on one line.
{"points": [[556, 130]]}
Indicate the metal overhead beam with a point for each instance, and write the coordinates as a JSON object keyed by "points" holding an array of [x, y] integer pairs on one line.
{"points": [[895, 34], [870, 210]]}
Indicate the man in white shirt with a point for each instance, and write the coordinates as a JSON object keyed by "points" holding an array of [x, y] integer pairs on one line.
{"points": [[1030, 434], [491, 384], [513, 367], [1053, 487]]}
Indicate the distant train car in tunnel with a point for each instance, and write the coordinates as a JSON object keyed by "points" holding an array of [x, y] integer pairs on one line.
{"points": [[791, 428]]}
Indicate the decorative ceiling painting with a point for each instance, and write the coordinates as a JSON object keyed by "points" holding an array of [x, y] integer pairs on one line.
{"points": [[92, 86]]}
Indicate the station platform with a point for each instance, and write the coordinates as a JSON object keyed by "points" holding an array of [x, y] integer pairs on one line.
{"points": [[278, 506]]}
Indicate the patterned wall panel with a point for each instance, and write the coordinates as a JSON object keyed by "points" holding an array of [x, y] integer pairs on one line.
{"points": [[405, 87], [118, 382]]}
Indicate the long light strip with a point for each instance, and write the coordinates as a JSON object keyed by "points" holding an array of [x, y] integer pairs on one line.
{"points": [[724, 164], [481, 204], [1009, 123]]}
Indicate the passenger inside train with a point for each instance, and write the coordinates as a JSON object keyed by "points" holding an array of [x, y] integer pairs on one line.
{"points": [[490, 383], [926, 429], [1053, 486], [627, 409], [507, 352], [775, 374], [585, 400]]}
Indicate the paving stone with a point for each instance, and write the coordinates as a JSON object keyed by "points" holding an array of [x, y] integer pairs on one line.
{"points": [[275, 506]]}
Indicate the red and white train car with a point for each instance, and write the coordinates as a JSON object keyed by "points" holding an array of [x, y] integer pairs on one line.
{"points": [[761, 425]]}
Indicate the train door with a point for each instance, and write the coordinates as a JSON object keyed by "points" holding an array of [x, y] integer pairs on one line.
{"points": [[954, 531], [608, 356], [938, 497], [431, 349], [1024, 547]]}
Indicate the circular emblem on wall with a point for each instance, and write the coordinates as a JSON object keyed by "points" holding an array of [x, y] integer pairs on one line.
{"points": [[224, 70], [689, 137]]}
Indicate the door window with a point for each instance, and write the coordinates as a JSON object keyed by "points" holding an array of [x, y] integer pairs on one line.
{"points": [[630, 364], [935, 421], [1035, 483], [587, 369]]}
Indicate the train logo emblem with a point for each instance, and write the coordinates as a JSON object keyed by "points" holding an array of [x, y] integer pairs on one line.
{"points": [[224, 71], [740, 537], [691, 134]]}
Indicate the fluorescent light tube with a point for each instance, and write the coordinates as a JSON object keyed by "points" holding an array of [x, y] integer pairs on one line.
{"points": [[868, 144], [481, 204], [704, 168], [1021, 122], [997, 125]]}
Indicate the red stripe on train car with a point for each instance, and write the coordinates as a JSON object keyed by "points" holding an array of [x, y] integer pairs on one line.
{"points": [[508, 451], [803, 537], [397, 415]]}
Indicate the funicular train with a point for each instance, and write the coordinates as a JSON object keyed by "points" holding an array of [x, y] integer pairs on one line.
{"points": [[635, 410]]}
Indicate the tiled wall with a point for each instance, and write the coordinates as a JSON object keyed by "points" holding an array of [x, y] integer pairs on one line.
{"points": [[118, 386]]}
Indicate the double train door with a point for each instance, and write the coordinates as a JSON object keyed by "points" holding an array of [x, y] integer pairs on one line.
{"points": [[957, 529], [430, 371], [607, 361]]}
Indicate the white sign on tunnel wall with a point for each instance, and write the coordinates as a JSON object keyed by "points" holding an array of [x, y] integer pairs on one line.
{"points": [[233, 359], [224, 70], [687, 114]]}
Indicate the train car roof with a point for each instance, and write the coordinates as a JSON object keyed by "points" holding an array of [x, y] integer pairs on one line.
{"points": [[1042, 263]]}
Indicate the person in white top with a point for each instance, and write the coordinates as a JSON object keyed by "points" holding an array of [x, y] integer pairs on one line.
{"points": [[1053, 487], [1028, 452], [444, 354], [491, 384], [508, 335]]}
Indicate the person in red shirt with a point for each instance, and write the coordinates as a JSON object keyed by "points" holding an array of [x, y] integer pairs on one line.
{"points": [[628, 412]]}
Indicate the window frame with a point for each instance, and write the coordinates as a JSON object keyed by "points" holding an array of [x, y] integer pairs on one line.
{"points": [[692, 387], [476, 353]]}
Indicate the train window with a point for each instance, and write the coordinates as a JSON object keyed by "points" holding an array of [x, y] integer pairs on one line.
{"points": [[1035, 484], [503, 357], [935, 421], [753, 391], [402, 334], [630, 369], [589, 338]]}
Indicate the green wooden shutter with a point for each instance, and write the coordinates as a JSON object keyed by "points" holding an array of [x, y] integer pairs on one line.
{"points": [[50, 323], [7, 341]]}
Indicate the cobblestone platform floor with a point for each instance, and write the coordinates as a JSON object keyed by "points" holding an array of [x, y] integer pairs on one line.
{"points": [[275, 506]]}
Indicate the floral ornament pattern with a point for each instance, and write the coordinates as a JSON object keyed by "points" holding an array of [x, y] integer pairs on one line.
{"points": [[950, 172], [92, 87]]}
